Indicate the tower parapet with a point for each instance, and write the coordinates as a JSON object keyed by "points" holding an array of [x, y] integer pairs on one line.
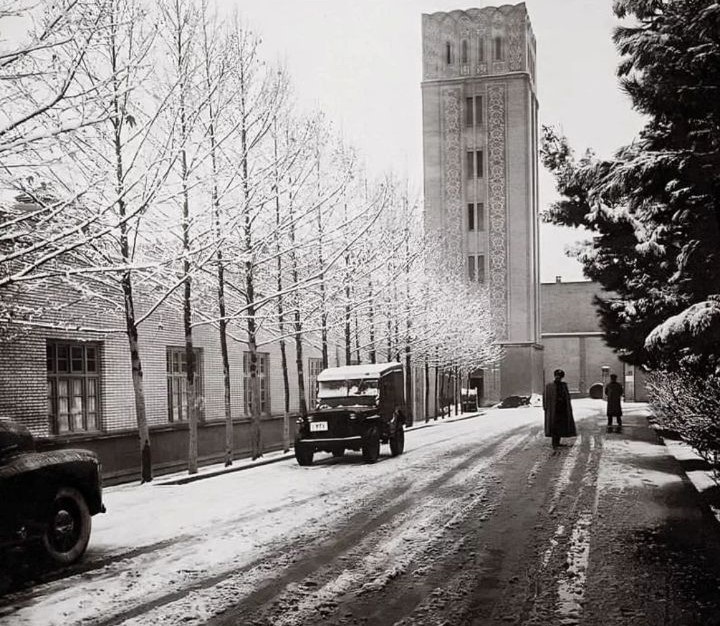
{"points": [[478, 42]]}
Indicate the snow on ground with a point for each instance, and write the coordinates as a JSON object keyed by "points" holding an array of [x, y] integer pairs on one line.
{"points": [[166, 552], [159, 539]]}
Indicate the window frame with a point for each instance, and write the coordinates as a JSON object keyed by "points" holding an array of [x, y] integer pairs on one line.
{"points": [[263, 375], [498, 48], [314, 368], [479, 164], [471, 217], [480, 216], [69, 376], [174, 378], [477, 110]]}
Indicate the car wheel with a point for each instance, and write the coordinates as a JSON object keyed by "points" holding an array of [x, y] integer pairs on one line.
{"points": [[397, 441], [338, 452], [303, 454], [371, 445], [67, 531]]}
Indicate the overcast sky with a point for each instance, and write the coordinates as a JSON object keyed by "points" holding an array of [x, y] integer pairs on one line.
{"points": [[360, 62]]}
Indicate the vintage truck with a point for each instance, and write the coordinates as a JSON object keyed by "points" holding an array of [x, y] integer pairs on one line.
{"points": [[47, 499], [358, 408]]}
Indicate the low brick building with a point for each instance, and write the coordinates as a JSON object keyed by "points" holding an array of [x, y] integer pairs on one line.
{"points": [[67, 377], [573, 341]]}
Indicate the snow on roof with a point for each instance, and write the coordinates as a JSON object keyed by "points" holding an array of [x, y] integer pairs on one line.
{"points": [[348, 372]]}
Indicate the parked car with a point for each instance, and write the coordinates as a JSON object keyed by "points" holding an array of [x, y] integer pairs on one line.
{"points": [[358, 408], [514, 402], [47, 498]]}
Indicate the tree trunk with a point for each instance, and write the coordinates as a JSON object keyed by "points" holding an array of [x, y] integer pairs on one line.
{"points": [[371, 316], [126, 281], [227, 398], [426, 406], [280, 303], [437, 392]]}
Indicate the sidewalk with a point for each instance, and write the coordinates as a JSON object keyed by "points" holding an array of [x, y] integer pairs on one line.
{"points": [[655, 548], [218, 469]]}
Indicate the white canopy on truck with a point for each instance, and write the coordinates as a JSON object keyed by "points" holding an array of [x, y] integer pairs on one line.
{"points": [[356, 372]]}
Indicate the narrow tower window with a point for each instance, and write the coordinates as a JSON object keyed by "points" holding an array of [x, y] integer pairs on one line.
{"points": [[481, 50], [480, 216], [478, 110], [470, 165], [471, 268], [498, 48], [468, 111], [448, 53], [481, 268], [464, 51], [479, 163], [471, 217]]}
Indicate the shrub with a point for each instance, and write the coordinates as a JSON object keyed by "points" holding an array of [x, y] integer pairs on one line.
{"points": [[690, 406]]}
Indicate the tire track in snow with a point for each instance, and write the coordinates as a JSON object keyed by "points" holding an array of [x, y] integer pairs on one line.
{"points": [[369, 550]]}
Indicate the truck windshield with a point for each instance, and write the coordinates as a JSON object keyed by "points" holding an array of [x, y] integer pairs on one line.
{"points": [[348, 389]]}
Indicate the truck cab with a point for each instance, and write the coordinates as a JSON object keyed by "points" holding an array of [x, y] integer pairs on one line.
{"points": [[359, 407]]}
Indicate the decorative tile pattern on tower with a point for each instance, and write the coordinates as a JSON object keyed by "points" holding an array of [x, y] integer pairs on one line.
{"points": [[452, 164], [498, 205]]}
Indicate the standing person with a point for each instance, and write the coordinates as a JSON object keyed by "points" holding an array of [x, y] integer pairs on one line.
{"points": [[559, 420], [614, 393]]}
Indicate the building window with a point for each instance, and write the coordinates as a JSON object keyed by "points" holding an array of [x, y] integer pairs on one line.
{"points": [[498, 48], [470, 163], [476, 268], [464, 51], [474, 164], [314, 368], [176, 366], [471, 217], [448, 53], [481, 50], [480, 209], [73, 386], [263, 359], [468, 111], [478, 110]]}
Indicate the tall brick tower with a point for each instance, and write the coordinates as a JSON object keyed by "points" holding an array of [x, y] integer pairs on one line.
{"points": [[480, 148]]}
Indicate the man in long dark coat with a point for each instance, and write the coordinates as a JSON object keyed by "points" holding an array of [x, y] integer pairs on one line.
{"points": [[614, 393], [559, 420]]}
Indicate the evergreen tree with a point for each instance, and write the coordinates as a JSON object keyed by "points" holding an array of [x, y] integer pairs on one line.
{"points": [[654, 209]]}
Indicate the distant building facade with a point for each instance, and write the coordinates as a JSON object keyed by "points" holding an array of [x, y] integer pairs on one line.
{"points": [[480, 149], [573, 341]]}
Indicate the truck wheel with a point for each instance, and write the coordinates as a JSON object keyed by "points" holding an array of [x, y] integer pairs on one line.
{"points": [[67, 532], [338, 452], [371, 445], [397, 441], [303, 454]]}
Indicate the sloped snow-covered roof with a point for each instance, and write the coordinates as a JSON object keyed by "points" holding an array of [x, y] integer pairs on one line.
{"points": [[350, 372]]}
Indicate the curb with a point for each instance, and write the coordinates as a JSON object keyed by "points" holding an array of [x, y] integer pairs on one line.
{"points": [[700, 476], [212, 473]]}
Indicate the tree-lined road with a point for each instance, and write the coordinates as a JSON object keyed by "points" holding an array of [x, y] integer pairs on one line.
{"points": [[478, 522]]}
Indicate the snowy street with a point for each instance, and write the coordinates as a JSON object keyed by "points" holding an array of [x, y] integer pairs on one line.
{"points": [[478, 522]]}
